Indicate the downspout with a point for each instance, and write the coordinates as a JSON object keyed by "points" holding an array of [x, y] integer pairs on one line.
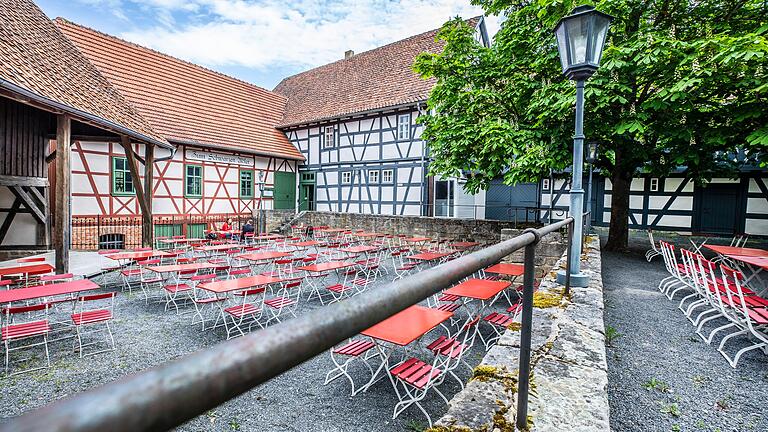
{"points": [[424, 192]]}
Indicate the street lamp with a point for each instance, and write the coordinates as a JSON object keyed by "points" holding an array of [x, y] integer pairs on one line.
{"points": [[580, 40], [591, 158], [262, 227]]}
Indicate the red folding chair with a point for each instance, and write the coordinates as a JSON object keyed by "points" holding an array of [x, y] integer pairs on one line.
{"points": [[354, 351], [33, 327], [286, 300], [91, 311], [247, 313]]}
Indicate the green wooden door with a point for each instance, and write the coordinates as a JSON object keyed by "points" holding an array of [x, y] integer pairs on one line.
{"points": [[285, 191], [196, 230]]}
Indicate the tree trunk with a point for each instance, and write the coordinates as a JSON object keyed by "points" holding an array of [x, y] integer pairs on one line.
{"points": [[618, 233]]}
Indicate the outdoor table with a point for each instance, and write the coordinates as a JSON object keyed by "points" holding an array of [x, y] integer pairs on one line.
{"points": [[219, 247], [356, 250], [302, 245], [506, 269], [417, 240], [51, 290], [224, 287], [177, 268], [429, 256], [264, 256], [730, 250], [321, 272], [400, 330], [181, 240], [464, 245], [27, 270], [367, 235], [756, 265], [486, 291], [138, 255]]}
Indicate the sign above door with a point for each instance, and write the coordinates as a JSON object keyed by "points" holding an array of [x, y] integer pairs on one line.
{"points": [[205, 156]]}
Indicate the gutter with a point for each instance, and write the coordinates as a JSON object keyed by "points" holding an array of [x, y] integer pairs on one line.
{"points": [[342, 116], [235, 149], [90, 118]]}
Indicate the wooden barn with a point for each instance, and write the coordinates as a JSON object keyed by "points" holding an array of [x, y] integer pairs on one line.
{"points": [[50, 97]]}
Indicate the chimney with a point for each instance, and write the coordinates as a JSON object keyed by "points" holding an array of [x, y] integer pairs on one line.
{"points": [[348, 54]]}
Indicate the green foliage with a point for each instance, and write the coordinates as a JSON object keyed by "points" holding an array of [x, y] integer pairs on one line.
{"points": [[611, 334], [682, 83], [655, 384]]}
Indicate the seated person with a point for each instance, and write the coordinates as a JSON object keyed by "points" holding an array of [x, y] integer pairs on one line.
{"points": [[247, 228]]}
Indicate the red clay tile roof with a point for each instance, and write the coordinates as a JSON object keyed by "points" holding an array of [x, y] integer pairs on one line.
{"points": [[39, 63], [379, 78], [185, 102]]}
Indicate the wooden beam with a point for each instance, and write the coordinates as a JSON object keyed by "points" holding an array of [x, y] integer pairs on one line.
{"points": [[29, 203], [133, 166], [149, 176], [63, 193], [7, 180], [9, 219]]}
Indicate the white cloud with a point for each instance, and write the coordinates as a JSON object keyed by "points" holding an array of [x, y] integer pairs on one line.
{"points": [[304, 33]]}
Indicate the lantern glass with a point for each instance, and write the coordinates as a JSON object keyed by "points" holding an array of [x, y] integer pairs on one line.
{"points": [[591, 152], [580, 40]]}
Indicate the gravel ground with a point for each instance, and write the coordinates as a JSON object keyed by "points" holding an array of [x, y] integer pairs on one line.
{"points": [[661, 375], [295, 401]]}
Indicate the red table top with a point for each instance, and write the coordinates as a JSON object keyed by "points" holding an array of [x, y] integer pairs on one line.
{"points": [[239, 284], [359, 249], [429, 256], [304, 243], [408, 325], [173, 268], [181, 240], [267, 237], [506, 269], [31, 269], [417, 239], [368, 234], [480, 289], [218, 247], [263, 256], [331, 230], [758, 261], [326, 266], [136, 255], [730, 250], [22, 294], [464, 245]]}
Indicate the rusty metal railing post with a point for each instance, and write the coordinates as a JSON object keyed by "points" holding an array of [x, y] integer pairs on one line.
{"points": [[523, 380], [568, 260]]}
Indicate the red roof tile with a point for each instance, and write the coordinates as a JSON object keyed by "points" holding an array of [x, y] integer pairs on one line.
{"points": [[38, 62], [185, 102], [379, 78]]}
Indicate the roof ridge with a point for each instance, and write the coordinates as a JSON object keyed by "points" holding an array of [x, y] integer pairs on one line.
{"points": [[63, 20], [368, 52]]}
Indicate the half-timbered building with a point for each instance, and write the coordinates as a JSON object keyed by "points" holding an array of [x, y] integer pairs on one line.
{"points": [[675, 203], [228, 160], [354, 120]]}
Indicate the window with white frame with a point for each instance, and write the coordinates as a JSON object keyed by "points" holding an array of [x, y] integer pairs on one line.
{"points": [[654, 185], [373, 176], [346, 177], [404, 127], [387, 176], [329, 138]]}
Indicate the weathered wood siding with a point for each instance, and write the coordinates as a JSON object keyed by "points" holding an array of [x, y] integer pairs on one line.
{"points": [[23, 141]]}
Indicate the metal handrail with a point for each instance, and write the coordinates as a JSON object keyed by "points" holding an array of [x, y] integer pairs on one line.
{"points": [[168, 395]]}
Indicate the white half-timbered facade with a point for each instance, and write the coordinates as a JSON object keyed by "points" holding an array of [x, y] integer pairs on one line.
{"points": [[355, 123], [724, 206]]}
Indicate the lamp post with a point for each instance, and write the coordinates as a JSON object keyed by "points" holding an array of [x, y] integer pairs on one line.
{"points": [[261, 227], [591, 158], [580, 40]]}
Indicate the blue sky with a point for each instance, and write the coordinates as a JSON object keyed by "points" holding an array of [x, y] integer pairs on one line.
{"points": [[261, 41]]}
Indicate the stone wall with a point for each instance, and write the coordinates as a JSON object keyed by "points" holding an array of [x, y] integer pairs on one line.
{"points": [[480, 230], [569, 369]]}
